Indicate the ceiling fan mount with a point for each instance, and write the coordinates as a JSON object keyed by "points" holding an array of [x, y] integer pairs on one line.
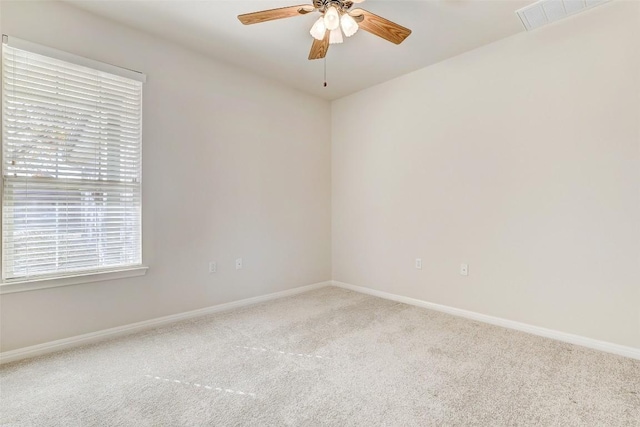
{"points": [[337, 18], [323, 5]]}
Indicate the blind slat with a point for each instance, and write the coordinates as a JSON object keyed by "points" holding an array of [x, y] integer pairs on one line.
{"points": [[45, 100], [46, 77], [32, 119]]}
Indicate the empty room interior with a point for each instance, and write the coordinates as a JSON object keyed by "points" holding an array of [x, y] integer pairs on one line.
{"points": [[367, 213]]}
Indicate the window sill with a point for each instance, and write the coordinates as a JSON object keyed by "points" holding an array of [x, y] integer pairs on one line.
{"points": [[76, 279]]}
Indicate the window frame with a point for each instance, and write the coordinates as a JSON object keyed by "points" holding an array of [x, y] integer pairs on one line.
{"points": [[21, 284]]}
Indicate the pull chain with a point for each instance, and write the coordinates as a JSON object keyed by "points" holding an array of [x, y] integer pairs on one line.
{"points": [[325, 71]]}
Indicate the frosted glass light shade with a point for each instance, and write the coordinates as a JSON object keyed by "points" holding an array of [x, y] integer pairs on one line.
{"points": [[318, 30], [349, 25], [335, 36], [331, 18]]}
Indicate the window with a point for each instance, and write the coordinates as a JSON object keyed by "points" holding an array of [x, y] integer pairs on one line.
{"points": [[71, 164]]}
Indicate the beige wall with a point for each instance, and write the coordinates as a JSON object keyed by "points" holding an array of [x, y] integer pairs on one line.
{"points": [[231, 170], [522, 159]]}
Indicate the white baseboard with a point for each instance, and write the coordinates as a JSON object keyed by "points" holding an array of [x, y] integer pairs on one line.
{"points": [[49, 347], [608, 347], [66, 343]]}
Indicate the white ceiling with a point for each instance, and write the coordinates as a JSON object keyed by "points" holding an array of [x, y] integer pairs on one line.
{"points": [[279, 49]]}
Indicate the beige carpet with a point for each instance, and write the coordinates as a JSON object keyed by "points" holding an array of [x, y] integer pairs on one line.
{"points": [[327, 357]]}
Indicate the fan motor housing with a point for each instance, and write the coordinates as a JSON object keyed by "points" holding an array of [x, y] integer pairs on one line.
{"points": [[342, 6]]}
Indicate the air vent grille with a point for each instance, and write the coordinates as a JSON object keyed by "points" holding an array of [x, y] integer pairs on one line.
{"points": [[546, 11]]}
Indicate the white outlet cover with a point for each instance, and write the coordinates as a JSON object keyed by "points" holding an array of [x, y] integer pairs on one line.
{"points": [[419, 263], [238, 263], [212, 267], [464, 269]]}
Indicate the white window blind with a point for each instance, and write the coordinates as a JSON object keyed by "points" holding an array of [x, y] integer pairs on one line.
{"points": [[71, 145]]}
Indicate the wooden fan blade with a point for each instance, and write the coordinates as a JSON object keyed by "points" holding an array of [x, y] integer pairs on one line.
{"points": [[271, 14], [379, 26], [319, 48]]}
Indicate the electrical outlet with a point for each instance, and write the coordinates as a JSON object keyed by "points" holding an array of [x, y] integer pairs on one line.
{"points": [[419, 263], [238, 263], [212, 267], [464, 269]]}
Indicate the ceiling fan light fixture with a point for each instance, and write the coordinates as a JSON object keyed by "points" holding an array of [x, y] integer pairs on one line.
{"points": [[349, 25], [335, 36], [331, 18], [318, 30], [329, 27]]}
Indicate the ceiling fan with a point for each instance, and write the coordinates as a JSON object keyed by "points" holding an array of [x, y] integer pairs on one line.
{"points": [[338, 17]]}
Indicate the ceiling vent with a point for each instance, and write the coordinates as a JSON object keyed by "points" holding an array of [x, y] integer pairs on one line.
{"points": [[545, 12]]}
